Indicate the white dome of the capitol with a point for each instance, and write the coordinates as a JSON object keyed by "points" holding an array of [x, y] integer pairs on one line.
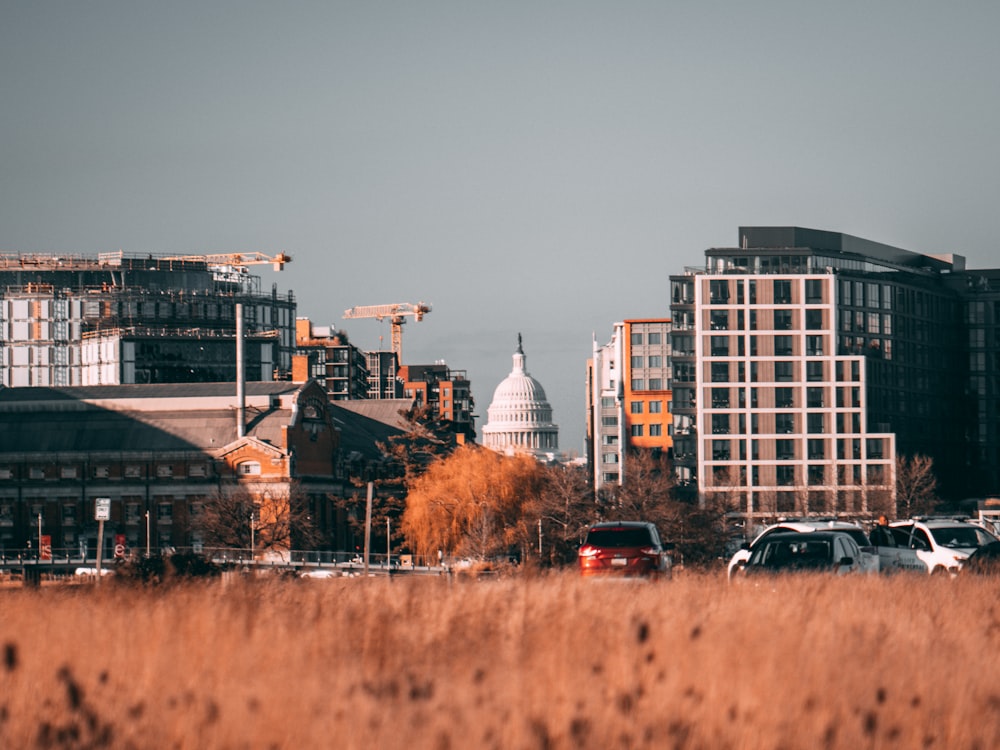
{"points": [[519, 418]]}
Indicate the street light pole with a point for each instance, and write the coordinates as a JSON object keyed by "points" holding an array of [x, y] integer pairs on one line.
{"points": [[147, 534], [251, 535]]}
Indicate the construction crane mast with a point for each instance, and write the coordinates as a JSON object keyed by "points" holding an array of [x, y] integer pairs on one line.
{"points": [[396, 314]]}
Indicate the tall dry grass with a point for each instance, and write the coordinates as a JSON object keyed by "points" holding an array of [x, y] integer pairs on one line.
{"points": [[544, 662]]}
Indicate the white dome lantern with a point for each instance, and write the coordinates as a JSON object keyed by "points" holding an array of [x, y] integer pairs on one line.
{"points": [[519, 418]]}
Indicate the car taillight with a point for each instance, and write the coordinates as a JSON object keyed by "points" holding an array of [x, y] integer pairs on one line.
{"points": [[587, 551], [651, 551]]}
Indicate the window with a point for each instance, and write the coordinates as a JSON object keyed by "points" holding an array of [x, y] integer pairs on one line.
{"points": [[638, 362], [655, 407], [69, 514], [782, 292], [655, 430], [784, 450], [785, 475], [636, 430], [784, 398], [101, 472], [656, 384], [782, 320], [816, 423], [814, 290], [719, 321], [784, 423], [783, 346], [718, 291], [635, 407], [607, 402], [636, 339], [814, 371], [720, 424], [814, 346], [814, 320], [638, 384], [784, 371], [609, 421], [720, 372], [248, 468], [165, 512], [164, 470], [816, 448], [720, 346], [654, 361], [609, 458], [720, 450], [653, 338]]}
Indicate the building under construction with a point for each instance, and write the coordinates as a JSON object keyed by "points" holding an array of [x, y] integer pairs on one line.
{"points": [[118, 319]]}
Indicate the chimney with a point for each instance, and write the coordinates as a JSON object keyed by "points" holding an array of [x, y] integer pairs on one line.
{"points": [[241, 400]]}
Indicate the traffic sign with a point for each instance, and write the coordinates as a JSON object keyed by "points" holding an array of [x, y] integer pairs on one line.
{"points": [[102, 509]]}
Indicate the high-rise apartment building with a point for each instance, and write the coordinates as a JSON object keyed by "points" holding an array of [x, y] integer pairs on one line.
{"points": [[805, 361], [447, 392], [628, 398], [331, 359], [114, 319]]}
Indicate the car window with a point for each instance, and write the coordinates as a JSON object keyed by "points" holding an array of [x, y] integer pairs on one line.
{"points": [[961, 536], [920, 540], [623, 537], [902, 535], [882, 537], [858, 536]]}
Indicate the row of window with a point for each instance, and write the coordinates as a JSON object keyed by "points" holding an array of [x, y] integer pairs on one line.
{"points": [[129, 471], [767, 291]]}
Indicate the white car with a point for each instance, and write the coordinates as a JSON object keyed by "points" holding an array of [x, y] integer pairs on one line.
{"points": [[869, 558], [941, 544]]}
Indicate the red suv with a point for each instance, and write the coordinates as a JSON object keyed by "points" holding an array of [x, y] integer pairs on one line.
{"points": [[630, 548]]}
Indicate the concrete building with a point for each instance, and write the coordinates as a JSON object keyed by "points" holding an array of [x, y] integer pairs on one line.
{"points": [[113, 319], [805, 361], [519, 418], [628, 398]]}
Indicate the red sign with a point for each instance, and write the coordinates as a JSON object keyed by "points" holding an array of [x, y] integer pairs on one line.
{"points": [[45, 547], [119, 546]]}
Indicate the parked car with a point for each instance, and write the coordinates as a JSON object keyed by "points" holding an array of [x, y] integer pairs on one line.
{"points": [[984, 561], [869, 558], [833, 552], [627, 548], [942, 544]]}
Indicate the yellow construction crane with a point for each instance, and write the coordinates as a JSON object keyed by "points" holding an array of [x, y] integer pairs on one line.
{"points": [[396, 314], [237, 260]]}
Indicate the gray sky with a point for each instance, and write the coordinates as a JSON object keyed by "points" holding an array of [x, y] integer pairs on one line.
{"points": [[535, 167]]}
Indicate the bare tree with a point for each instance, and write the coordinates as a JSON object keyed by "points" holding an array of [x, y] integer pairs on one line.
{"points": [[916, 485], [564, 507], [266, 519]]}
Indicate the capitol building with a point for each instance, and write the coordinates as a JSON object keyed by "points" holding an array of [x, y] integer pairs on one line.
{"points": [[519, 418]]}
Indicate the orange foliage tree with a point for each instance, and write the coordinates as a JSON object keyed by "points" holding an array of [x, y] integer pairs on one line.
{"points": [[471, 504]]}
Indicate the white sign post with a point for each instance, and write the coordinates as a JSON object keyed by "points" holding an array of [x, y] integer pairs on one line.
{"points": [[102, 513]]}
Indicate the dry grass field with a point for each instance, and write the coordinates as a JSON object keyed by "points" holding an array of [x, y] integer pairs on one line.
{"points": [[528, 662]]}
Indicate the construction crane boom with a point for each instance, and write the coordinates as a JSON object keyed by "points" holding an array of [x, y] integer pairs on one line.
{"points": [[237, 260], [396, 313]]}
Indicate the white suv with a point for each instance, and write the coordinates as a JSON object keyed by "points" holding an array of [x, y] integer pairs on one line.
{"points": [[942, 544], [869, 561]]}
